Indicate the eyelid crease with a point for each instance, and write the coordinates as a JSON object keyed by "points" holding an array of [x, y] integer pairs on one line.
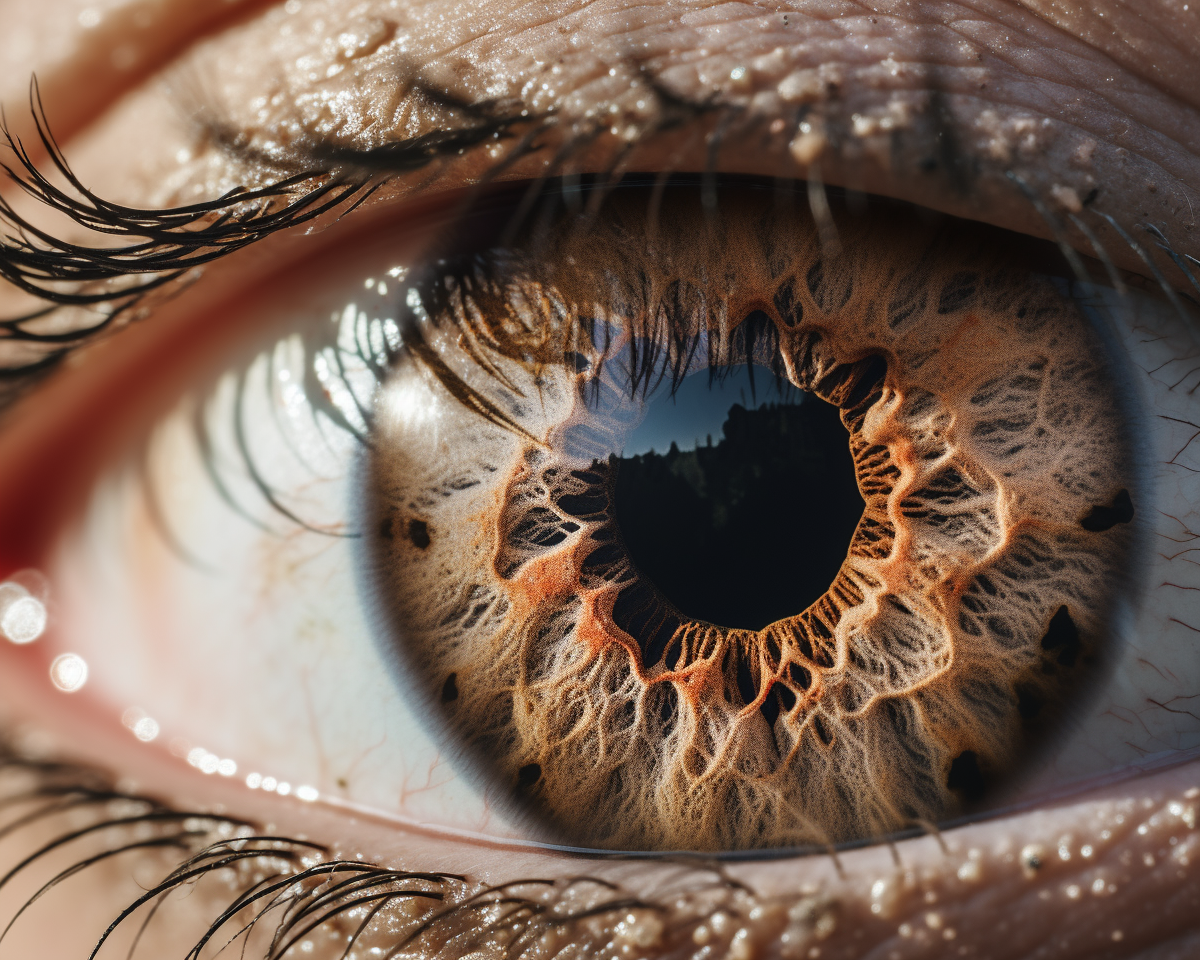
{"points": [[88, 56]]}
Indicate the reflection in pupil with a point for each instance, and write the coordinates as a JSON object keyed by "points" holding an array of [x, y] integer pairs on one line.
{"points": [[750, 526]]}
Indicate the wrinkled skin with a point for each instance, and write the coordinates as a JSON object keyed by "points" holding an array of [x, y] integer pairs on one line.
{"points": [[1070, 100]]}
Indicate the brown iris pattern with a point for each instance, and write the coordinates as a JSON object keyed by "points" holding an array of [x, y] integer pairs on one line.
{"points": [[969, 614]]}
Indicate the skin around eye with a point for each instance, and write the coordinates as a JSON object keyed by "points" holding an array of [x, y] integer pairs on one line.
{"points": [[131, 658], [865, 94], [1081, 911]]}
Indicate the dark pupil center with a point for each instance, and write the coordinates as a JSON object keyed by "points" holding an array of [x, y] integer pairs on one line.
{"points": [[749, 526]]}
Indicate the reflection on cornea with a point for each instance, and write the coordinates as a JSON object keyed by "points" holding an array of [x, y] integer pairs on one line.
{"points": [[69, 672], [23, 607]]}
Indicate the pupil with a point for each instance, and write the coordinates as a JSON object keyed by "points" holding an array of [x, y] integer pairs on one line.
{"points": [[742, 510]]}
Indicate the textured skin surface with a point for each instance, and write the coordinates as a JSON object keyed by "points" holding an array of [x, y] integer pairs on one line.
{"points": [[973, 599]]}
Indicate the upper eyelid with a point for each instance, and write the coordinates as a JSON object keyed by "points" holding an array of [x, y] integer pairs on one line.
{"points": [[466, 123]]}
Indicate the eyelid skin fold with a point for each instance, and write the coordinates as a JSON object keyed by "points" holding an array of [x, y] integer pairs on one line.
{"points": [[870, 96], [88, 55]]}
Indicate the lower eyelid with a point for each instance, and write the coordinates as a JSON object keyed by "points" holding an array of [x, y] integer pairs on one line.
{"points": [[1088, 875]]}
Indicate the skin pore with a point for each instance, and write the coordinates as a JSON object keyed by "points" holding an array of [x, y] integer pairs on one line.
{"points": [[968, 108]]}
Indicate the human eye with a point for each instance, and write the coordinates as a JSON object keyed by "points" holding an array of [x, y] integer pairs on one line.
{"points": [[926, 110]]}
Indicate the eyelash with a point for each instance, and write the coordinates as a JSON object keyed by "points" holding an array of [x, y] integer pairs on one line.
{"points": [[308, 891], [169, 242], [294, 888]]}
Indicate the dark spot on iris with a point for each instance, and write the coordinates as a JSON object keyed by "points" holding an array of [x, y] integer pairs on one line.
{"points": [[1029, 702], [668, 705], [418, 533], [450, 688], [674, 652], [1062, 638], [830, 289], [965, 777], [908, 301], [1105, 518], [585, 505], [770, 706], [1091, 196], [581, 363], [638, 612], [385, 528], [870, 373], [791, 310], [528, 775]]}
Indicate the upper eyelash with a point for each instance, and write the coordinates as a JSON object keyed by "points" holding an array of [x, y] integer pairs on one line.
{"points": [[166, 243], [319, 178]]}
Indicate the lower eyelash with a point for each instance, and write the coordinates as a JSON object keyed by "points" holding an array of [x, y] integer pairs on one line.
{"points": [[275, 895]]}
